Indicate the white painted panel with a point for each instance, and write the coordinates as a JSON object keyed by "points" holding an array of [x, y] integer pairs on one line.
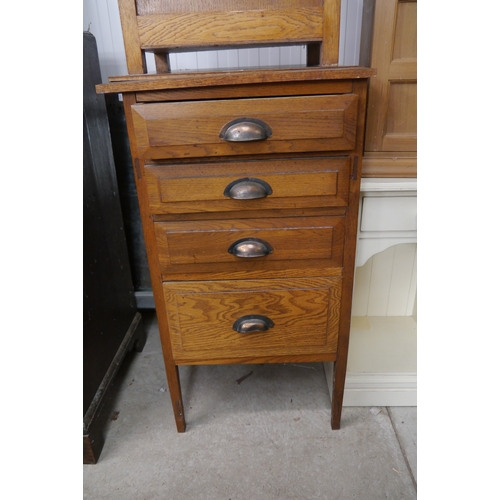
{"points": [[382, 363], [389, 213], [248, 58], [290, 56], [411, 308], [206, 59], [402, 272], [397, 336], [227, 59], [380, 284], [386, 284], [351, 12], [150, 62], [361, 294], [269, 56], [186, 61], [102, 19]]}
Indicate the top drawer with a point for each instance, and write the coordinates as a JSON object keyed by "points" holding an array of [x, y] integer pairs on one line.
{"points": [[280, 124]]}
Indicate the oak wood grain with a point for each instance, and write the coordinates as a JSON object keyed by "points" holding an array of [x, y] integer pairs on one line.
{"points": [[286, 358], [380, 164], [250, 214], [202, 246], [304, 312], [139, 83], [340, 366], [172, 371], [151, 7], [182, 129], [391, 123], [267, 273], [135, 57], [197, 296], [242, 91], [331, 33], [196, 29], [181, 166], [160, 25], [296, 183]]}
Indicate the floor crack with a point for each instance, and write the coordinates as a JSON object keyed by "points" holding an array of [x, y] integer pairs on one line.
{"points": [[401, 447]]}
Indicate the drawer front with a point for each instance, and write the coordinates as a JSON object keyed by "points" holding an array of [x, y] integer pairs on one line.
{"points": [[272, 184], [253, 126], [250, 244], [301, 316]]}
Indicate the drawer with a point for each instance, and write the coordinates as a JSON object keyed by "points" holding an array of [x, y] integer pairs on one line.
{"points": [[245, 126], [222, 320], [255, 185], [250, 244]]}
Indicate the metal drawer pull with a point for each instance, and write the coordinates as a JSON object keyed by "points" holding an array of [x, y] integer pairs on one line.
{"points": [[248, 189], [252, 323], [245, 130], [250, 247]]}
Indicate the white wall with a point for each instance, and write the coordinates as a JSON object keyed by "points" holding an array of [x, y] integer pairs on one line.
{"points": [[102, 19]]}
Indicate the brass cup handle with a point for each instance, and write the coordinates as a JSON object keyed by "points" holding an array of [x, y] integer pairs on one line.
{"points": [[245, 130], [248, 189], [252, 323], [250, 248]]}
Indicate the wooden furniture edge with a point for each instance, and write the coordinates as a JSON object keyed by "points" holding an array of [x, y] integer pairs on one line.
{"points": [[340, 365], [93, 438], [136, 83], [389, 165]]}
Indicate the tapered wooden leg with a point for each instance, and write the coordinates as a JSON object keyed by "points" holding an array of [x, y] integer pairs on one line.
{"points": [[337, 394], [174, 387]]}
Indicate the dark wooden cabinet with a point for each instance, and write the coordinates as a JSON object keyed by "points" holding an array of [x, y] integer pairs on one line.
{"points": [[111, 322]]}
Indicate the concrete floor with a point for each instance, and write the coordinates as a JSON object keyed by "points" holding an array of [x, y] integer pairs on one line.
{"points": [[267, 437]]}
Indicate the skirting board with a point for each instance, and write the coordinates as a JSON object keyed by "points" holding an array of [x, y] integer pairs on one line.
{"points": [[144, 299], [382, 362], [376, 389]]}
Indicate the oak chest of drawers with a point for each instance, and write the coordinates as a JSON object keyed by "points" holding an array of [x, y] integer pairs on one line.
{"points": [[249, 189]]}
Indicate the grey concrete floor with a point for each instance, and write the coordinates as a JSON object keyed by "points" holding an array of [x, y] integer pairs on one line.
{"points": [[267, 437]]}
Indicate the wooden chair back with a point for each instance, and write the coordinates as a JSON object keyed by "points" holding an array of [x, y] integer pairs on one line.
{"points": [[164, 26]]}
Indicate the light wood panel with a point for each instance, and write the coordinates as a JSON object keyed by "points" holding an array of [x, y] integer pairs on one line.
{"points": [[391, 125]]}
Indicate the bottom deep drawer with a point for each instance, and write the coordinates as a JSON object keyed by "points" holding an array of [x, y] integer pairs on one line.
{"points": [[252, 318]]}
